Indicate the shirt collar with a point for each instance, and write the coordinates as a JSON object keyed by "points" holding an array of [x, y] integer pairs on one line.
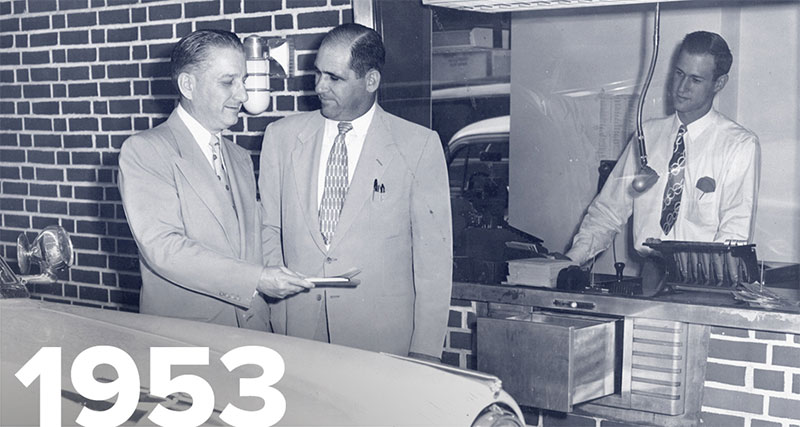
{"points": [[697, 127], [200, 133], [360, 124]]}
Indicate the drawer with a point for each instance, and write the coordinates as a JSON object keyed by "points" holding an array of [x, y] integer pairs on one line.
{"points": [[547, 360]]}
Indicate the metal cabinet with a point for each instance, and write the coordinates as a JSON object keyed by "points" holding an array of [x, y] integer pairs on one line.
{"points": [[548, 360]]}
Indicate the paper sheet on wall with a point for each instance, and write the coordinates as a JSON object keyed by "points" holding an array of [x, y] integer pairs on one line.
{"points": [[617, 124]]}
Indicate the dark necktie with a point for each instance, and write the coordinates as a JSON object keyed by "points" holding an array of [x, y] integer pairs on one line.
{"points": [[672, 193], [336, 185]]}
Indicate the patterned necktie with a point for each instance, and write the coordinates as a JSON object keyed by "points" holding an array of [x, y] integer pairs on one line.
{"points": [[336, 185], [216, 157], [674, 189]]}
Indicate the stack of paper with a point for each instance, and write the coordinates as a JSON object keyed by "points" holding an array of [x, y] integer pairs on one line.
{"points": [[536, 271]]}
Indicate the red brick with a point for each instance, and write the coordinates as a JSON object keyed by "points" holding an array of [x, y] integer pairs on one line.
{"points": [[35, 23], [122, 35], [16, 221], [37, 124], [764, 423], [449, 358], [566, 420], [74, 37], [82, 55], [784, 408], [317, 19], [251, 6], [155, 32], [116, 53], [773, 336], [736, 350], [11, 204], [159, 13], [461, 340], [47, 140], [768, 380], [42, 6], [91, 293], [201, 8], [284, 22], [252, 25], [454, 319], [43, 39], [733, 400], [786, 356], [45, 174], [708, 419], [118, 16], [53, 207]]}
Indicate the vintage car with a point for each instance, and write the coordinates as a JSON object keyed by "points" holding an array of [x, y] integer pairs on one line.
{"points": [[65, 364]]}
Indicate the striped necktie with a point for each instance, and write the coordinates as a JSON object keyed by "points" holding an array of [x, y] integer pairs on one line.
{"points": [[672, 193], [336, 185]]}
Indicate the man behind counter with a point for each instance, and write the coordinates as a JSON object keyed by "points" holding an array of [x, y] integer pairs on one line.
{"points": [[710, 163]]}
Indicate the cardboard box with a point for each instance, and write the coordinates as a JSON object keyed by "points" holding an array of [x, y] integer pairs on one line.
{"points": [[476, 37], [459, 65]]}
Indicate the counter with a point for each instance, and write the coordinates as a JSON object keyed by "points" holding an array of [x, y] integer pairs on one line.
{"points": [[742, 365]]}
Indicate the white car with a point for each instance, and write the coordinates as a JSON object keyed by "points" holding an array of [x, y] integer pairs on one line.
{"points": [[101, 355]]}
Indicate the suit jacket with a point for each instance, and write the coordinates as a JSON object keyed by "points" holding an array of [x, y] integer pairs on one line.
{"points": [[199, 257], [400, 239]]}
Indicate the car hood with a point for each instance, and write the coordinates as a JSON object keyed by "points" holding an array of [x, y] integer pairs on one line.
{"points": [[323, 384]]}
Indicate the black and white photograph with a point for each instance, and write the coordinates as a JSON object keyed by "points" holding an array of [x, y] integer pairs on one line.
{"points": [[444, 213]]}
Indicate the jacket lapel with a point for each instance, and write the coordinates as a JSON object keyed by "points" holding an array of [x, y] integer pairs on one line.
{"points": [[194, 166], [305, 163], [378, 151], [239, 180]]}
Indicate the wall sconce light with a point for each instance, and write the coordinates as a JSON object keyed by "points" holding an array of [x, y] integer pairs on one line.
{"points": [[262, 55]]}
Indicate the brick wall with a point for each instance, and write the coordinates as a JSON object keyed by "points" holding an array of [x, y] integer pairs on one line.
{"points": [[752, 379], [77, 77]]}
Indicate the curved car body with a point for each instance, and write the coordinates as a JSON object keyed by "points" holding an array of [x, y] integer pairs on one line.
{"points": [[323, 384]]}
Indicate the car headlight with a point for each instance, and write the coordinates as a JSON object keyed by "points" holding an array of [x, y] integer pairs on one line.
{"points": [[497, 416]]}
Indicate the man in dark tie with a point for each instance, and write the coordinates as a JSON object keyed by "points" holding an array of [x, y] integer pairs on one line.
{"points": [[190, 197], [353, 187], [708, 166]]}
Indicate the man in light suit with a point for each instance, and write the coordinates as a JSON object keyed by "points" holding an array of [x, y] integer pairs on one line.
{"points": [[190, 197], [384, 210]]}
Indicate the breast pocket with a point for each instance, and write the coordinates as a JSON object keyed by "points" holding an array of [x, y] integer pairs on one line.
{"points": [[702, 208], [388, 215]]}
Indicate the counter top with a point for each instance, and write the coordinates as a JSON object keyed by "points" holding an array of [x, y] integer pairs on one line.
{"points": [[691, 307]]}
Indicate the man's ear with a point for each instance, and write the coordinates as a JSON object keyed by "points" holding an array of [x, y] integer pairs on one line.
{"points": [[720, 83], [373, 79], [186, 84]]}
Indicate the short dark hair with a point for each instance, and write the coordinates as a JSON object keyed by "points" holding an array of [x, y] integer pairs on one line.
{"points": [[366, 46], [700, 42], [192, 50]]}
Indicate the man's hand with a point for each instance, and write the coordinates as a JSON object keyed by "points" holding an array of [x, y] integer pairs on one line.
{"points": [[280, 282], [558, 256]]}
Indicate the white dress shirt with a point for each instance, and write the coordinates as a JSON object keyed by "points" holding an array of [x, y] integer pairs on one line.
{"points": [[354, 141], [716, 148], [201, 135]]}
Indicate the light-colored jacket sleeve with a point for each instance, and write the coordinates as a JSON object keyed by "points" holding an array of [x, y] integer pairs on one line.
{"points": [[269, 185], [151, 197], [432, 241]]}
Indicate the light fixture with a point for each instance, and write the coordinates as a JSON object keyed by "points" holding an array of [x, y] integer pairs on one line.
{"points": [[264, 54]]}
